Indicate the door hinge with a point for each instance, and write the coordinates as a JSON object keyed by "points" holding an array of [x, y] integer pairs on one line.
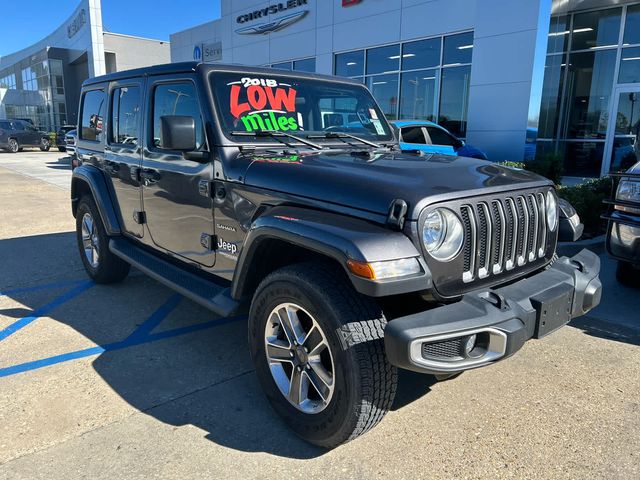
{"points": [[139, 217], [204, 188], [208, 241]]}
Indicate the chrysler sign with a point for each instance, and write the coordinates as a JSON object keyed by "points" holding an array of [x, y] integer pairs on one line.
{"points": [[251, 24]]}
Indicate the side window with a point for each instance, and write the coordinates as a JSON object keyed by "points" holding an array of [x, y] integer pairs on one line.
{"points": [[18, 126], [440, 137], [5, 126], [93, 110], [413, 135], [176, 99], [125, 116]]}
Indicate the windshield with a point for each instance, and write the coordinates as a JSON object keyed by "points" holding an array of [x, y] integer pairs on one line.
{"points": [[304, 107]]}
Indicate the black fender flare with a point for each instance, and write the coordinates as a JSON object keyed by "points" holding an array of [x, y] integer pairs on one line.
{"points": [[89, 177], [337, 237]]}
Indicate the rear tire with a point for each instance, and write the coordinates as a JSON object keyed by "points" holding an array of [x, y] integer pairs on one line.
{"points": [[62, 149], [362, 381], [93, 244], [627, 274]]}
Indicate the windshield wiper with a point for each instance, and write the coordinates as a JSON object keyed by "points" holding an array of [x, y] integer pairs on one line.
{"points": [[276, 134], [342, 135]]}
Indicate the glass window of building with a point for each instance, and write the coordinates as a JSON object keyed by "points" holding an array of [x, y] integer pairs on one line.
{"points": [[383, 59], [458, 49], [454, 95], [8, 81], [590, 79], [599, 29], [176, 99], [349, 64], [632, 26], [558, 35], [421, 54], [419, 95], [282, 66], [125, 116], [551, 96], [305, 65], [630, 65], [93, 111], [423, 93], [385, 90]]}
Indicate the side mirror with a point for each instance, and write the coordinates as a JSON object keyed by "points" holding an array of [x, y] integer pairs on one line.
{"points": [[178, 132]]}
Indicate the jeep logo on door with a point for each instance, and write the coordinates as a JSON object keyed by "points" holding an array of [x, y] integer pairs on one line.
{"points": [[264, 28]]}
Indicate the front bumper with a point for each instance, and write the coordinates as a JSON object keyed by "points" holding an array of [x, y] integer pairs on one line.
{"points": [[440, 341]]}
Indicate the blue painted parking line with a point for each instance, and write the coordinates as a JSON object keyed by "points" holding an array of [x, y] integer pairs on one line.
{"points": [[155, 319], [131, 341], [45, 309], [47, 286]]}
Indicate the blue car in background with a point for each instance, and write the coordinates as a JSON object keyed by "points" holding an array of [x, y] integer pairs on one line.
{"points": [[432, 138]]}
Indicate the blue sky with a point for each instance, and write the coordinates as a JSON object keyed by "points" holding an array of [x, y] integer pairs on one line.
{"points": [[144, 18]]}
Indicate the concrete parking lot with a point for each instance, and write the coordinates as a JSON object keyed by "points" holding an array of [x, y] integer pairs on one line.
{"points": [[133, 381]]}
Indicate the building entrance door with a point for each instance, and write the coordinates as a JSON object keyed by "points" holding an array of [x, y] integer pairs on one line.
{"points": [[622, 148]]}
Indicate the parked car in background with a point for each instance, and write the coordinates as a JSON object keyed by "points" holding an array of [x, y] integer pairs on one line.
{"points": [[70, 146], [623, 234], [17, 134], [432, 138], [61, 142]]}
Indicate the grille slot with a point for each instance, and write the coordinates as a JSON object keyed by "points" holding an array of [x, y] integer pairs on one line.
{"points": [[502, 234], [451, 349]]}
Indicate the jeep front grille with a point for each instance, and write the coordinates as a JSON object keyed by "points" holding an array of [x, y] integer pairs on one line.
{"points": [[502, 234]]}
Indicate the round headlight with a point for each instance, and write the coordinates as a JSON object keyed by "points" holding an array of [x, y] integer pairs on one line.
{"points": [[442, 234], [552, 211]]}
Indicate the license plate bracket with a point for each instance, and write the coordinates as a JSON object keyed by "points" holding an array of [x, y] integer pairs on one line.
{"points": [[553, 308]]}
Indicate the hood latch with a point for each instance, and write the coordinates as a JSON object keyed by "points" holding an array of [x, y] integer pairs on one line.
{"points": [[397, 214]]}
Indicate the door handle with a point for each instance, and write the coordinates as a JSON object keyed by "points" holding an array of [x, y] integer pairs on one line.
{"points": [[149, 175]]}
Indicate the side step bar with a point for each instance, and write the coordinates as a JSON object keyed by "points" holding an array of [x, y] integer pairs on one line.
{"points": [[208, 294]]}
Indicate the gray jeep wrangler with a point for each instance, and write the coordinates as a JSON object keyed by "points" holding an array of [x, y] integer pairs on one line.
{"points": [[285, 195]]}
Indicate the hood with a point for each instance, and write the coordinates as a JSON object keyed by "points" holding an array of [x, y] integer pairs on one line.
{"points": [[372, 182]]}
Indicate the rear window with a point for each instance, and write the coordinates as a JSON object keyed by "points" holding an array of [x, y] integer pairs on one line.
{"points": [[93, 110], [413, 135]]}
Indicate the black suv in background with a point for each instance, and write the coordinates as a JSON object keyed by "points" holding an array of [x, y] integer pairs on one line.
{"points": [[61, 142], [623, 234], [233, 186], [17, 134]]}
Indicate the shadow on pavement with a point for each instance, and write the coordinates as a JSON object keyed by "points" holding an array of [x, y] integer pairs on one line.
{"points": [[204, 379]]}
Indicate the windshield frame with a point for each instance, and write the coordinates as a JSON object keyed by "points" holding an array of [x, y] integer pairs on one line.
{"points": [[249, 140]]}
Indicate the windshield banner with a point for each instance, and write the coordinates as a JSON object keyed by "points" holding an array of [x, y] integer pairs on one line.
{"points": [[264, 104]]}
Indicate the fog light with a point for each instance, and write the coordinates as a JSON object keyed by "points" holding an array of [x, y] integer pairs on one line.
{"points": [[470, 344]]}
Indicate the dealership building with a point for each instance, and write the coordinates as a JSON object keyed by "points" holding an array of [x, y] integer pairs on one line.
{"points": [[42, 82], [514, 78]]}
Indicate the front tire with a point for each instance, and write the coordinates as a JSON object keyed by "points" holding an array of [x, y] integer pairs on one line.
{"points": [[45, 144], [93, 243], [308, 328], [14, 146]]}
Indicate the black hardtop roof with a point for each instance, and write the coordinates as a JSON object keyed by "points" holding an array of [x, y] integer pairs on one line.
{"points": [[182, 67]]}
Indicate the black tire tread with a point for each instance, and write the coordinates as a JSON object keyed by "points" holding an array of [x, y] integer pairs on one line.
{"points": [[366, 337], [111, 269]]}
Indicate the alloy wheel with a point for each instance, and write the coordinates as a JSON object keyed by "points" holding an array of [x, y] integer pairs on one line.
{"points": [[13, 145], [90, 240], [299, 358]]}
